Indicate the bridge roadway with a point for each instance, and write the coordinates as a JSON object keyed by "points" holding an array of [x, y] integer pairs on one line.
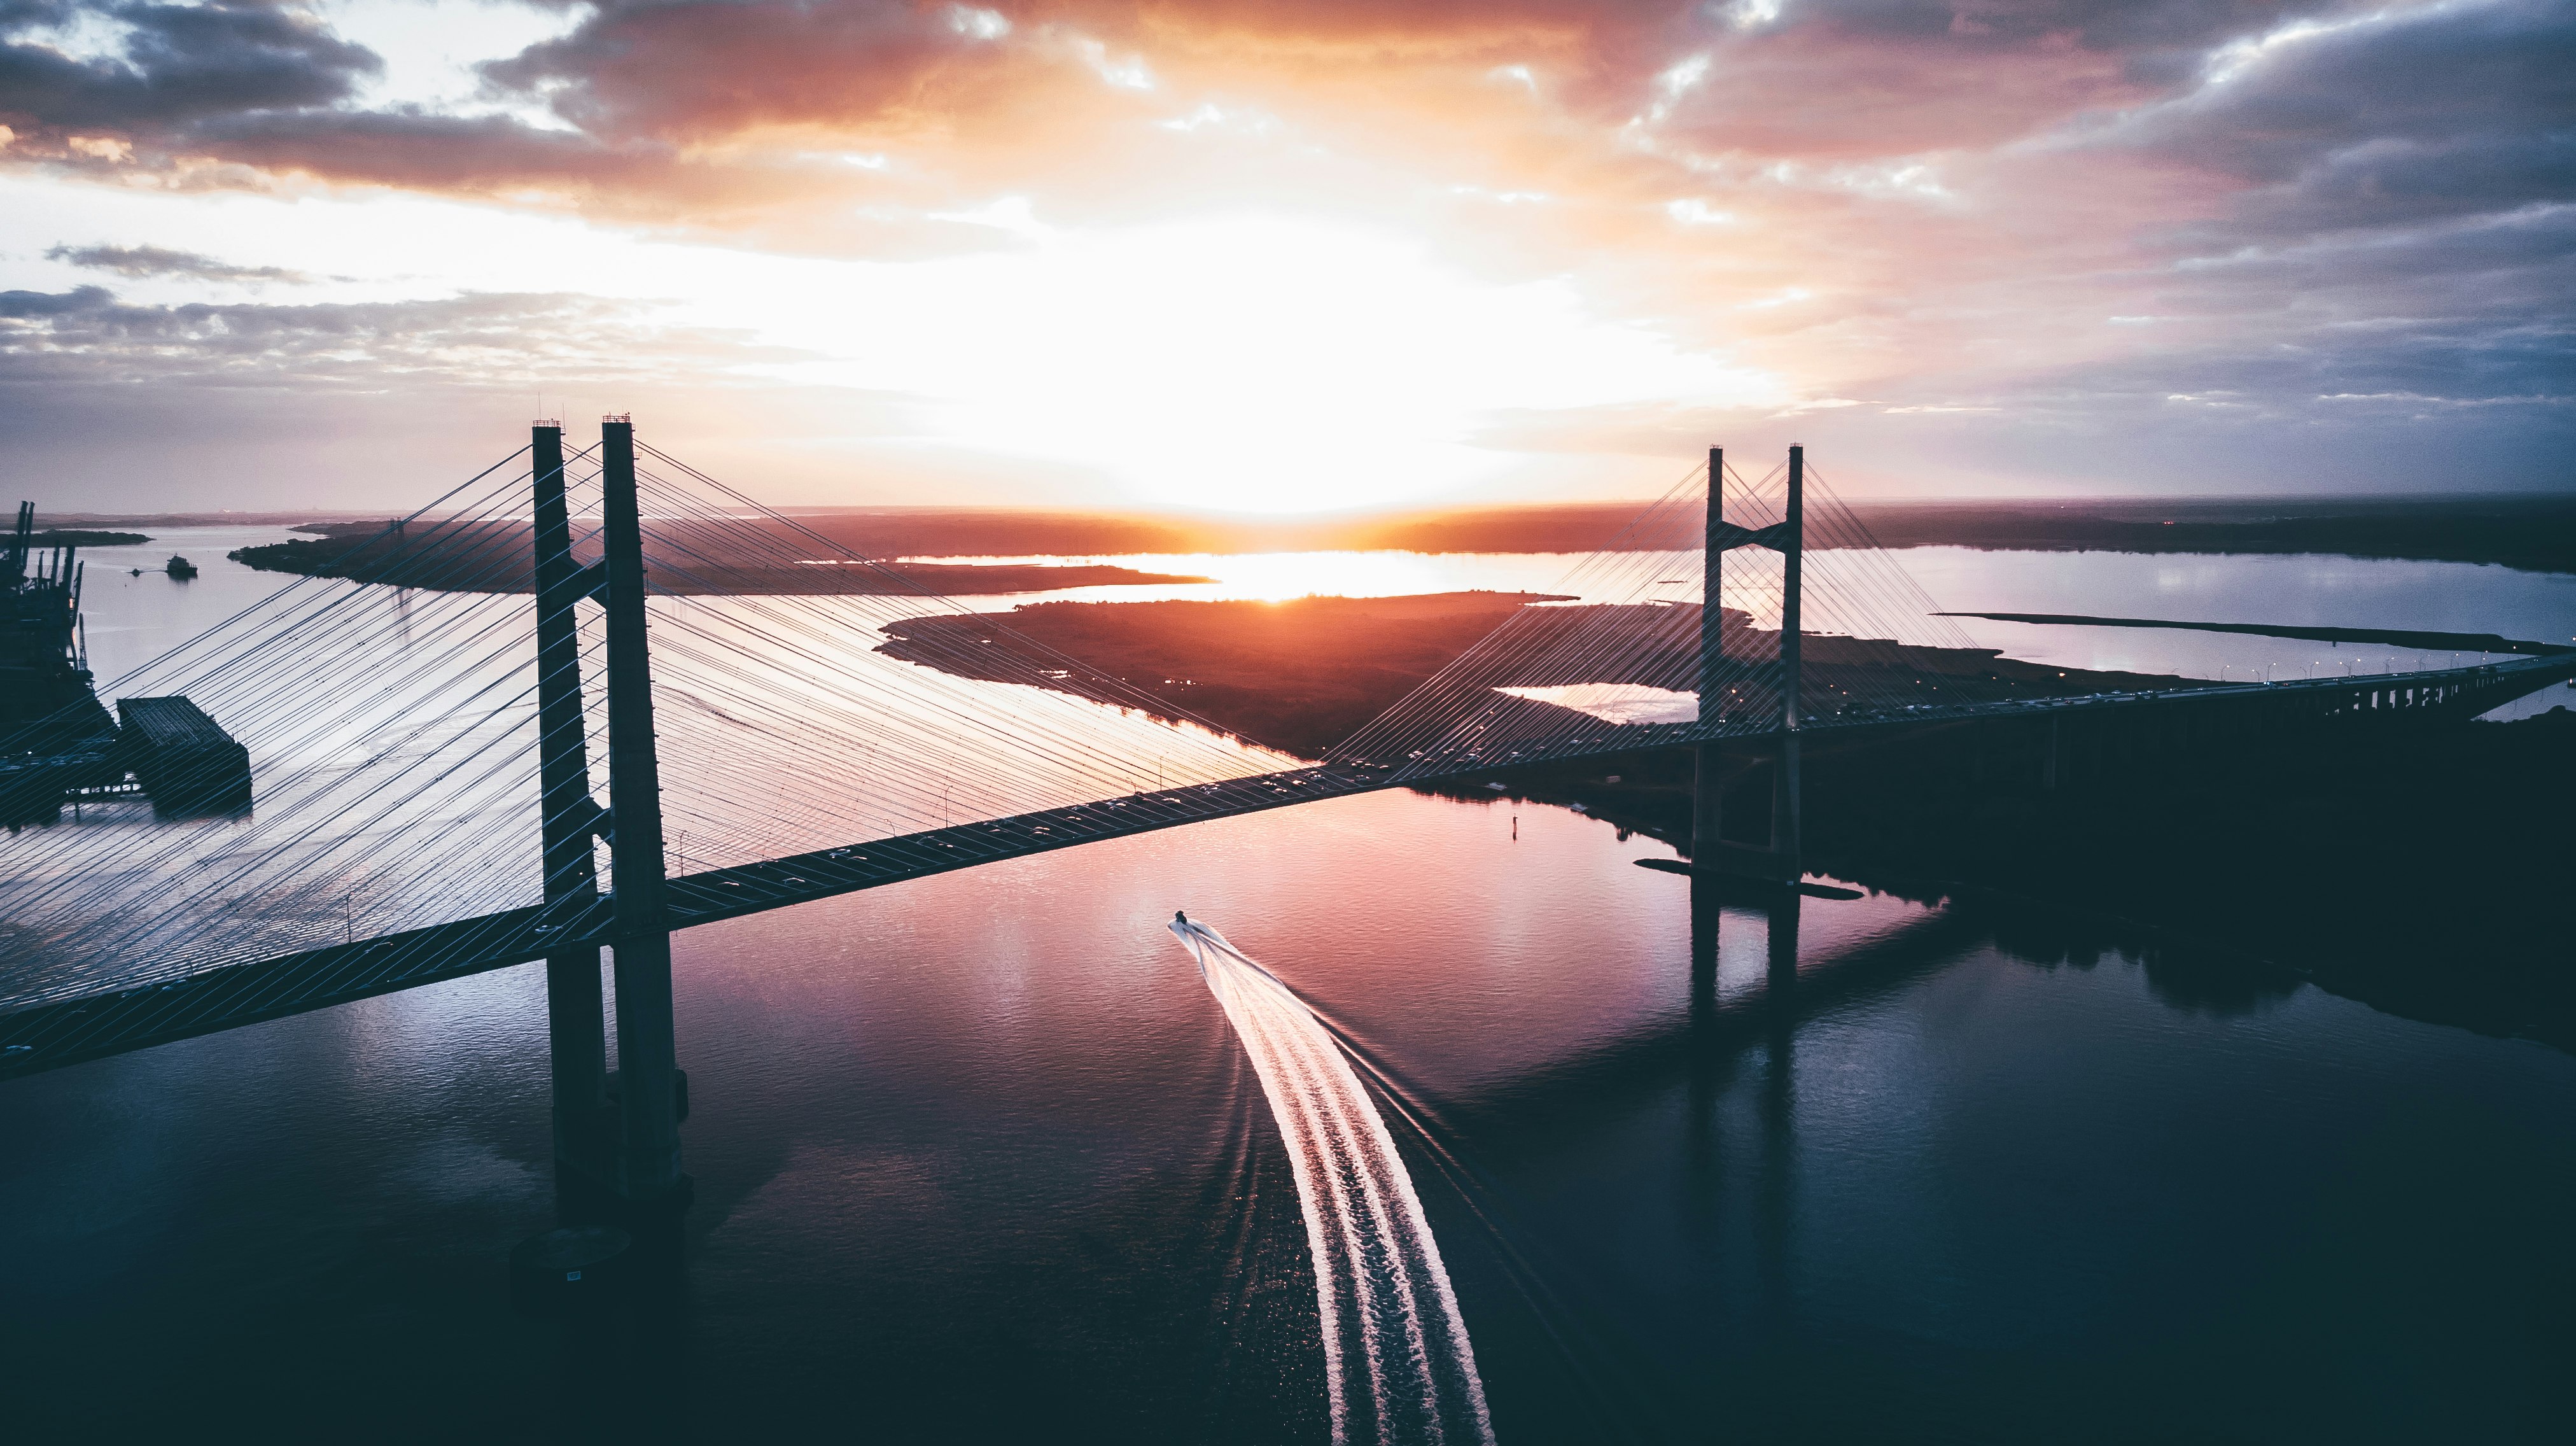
{"points": [[227, 996]]}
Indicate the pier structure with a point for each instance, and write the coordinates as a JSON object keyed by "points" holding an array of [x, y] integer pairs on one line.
{"points": [[58, 743]]}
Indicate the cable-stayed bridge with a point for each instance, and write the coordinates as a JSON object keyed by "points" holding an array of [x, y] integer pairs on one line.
{"points": [[423, 725]]}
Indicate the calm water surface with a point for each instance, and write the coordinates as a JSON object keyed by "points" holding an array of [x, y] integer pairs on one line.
{"points": [[978, 1158]]}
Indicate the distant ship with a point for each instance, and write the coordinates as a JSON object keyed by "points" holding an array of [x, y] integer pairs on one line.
{"points": [[181, 567]]}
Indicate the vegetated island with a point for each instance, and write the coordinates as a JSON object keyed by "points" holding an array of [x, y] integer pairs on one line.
{"points": [[1304, 674], [2537, 534], [747, 557], [86, 537], [1300, 675]]}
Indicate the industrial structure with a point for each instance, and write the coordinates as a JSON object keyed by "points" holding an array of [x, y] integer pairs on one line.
{"points": [[57, 744]]}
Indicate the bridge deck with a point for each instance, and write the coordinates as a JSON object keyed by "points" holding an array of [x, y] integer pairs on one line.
{"points": [[67, 1031]]}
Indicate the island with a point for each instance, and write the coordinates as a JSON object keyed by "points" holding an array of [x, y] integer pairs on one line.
{"points": [[1299, 675], [1303, 674], [747, 558]]}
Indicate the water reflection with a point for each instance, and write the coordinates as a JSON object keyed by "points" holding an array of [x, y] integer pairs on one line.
{"points": [[1773, 1214], [1834, 1168], [2199, 977]]}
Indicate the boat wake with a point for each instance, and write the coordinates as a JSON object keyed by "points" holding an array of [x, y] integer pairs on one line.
{"points": [[1397, 1365]]}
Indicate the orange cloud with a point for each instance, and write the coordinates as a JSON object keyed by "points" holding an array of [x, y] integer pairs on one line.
{"points": [[1953, 209]]}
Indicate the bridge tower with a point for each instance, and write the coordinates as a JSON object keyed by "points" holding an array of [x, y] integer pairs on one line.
{"points": [[569, 819], [1786, 840], [1783, 857], [1708, 762], [648, 1154], [629, 1145]]}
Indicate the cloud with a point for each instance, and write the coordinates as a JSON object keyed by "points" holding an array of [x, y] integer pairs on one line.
{"points": [[1933, 204], [143, 261], [176, 64], [86, 336], [2389, 117], [672, 71]]}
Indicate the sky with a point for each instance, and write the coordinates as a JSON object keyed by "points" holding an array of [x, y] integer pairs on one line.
{"points": [[1265, 256]]}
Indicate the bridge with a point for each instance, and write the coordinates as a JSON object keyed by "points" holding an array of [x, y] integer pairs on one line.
{"points": [[428, 752]]}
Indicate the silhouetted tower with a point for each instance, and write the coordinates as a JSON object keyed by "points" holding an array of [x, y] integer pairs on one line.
{"points": [[1708, 759], [1783, 856], [1785, 823], [633, 1150], [569, 820], [648, 1156]]}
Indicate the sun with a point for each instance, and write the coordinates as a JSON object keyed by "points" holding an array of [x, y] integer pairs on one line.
{"points": [[1255, 364]]}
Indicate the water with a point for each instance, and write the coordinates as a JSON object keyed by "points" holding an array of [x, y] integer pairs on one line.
{"points": [[982, 1157], [1397, 1362]]}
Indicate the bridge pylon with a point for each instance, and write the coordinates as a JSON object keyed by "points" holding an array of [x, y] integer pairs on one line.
{"points": [[569, 819], [648, 1085], [1781, 855]]}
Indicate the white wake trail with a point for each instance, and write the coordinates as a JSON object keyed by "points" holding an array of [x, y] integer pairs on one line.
{"points": [[1380, 1287]]}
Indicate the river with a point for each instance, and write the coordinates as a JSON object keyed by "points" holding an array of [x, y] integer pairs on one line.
{"points": [[979, 1157]]}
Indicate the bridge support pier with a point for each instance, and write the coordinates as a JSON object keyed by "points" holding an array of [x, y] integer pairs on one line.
{"points": [[648, 1154]]}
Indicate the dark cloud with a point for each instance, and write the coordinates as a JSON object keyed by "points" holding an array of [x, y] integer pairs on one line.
{"points": [[2140, 25], [179, 64], [2424, 370], [2514, 267], [42, 305], [666, 70], [2393, 118], [428, 151], [143, 261], [1846, 80]]}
